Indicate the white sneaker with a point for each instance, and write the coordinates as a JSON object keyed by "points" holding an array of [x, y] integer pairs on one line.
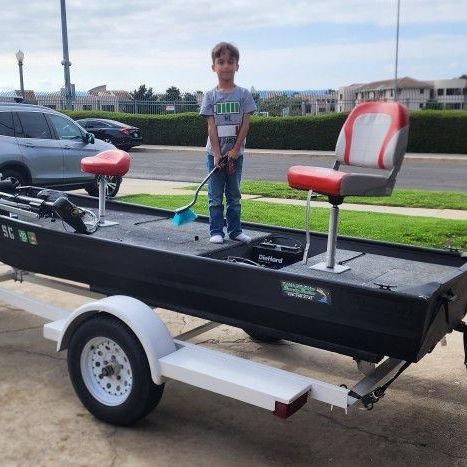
{"points": [[217, 239], [244, 238]]}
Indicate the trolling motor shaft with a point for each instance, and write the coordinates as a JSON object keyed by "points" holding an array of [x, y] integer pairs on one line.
{"points": [[36, 208]]}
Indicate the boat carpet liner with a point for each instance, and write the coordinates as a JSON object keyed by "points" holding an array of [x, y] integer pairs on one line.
{"points": [[160, 233], [375, 271]]}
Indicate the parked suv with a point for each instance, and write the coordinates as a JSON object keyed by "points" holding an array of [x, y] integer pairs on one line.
{"points": [[42, 147]]}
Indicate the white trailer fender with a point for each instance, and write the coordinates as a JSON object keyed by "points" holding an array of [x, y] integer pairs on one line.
{"points": [[141, 319]]}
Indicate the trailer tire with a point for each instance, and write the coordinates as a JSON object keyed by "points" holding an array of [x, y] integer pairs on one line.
{"points": [[123, 392]]}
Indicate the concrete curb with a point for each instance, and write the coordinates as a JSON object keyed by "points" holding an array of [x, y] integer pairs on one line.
{"points": [[279, 152]]}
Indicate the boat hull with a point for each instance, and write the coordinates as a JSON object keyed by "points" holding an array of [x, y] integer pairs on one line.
{"points": [[354, 317]]}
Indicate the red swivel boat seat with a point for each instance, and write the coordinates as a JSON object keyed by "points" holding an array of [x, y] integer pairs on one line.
{"points": [[374, 136], [111, 163]]}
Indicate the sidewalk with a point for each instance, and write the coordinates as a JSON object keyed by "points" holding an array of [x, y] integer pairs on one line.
{"points": [[132, 186], [278, 152]]}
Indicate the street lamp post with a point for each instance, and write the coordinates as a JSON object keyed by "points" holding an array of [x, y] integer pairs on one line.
{"points": [[20, 58]]}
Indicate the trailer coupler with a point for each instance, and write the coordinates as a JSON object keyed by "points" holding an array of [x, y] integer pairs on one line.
{"points": [[369, 400]]}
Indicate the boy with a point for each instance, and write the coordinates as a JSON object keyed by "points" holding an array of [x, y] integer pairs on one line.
{"points": [[227, 108]]}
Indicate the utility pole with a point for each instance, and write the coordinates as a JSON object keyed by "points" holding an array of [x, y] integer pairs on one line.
{"points": [[66, 60], [397, 49]]}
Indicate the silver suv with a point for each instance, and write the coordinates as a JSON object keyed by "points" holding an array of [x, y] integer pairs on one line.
{"points": [[42, 147]]}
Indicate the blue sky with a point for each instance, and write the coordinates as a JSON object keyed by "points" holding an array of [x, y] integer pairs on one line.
{"points": [[283, 44]]}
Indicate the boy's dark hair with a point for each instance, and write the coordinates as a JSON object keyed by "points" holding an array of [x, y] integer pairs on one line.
{"points": [[223, 47]]}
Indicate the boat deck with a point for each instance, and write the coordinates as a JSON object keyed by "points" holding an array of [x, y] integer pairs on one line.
{"points": [[158, 232], [366, 269], [377, 271]]}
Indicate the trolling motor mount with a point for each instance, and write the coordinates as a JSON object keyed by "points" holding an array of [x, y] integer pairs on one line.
{"points": [[38, 206]]}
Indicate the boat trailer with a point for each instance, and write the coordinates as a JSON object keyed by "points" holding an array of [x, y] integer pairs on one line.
{"points": [[175, 358]]}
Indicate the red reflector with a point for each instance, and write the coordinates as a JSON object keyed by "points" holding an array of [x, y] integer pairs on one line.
{"points": [[286, 410]]}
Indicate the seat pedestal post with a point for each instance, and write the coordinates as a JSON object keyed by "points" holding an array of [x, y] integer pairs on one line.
{"points": [[102, 222], [307, 227], [330, 264]]}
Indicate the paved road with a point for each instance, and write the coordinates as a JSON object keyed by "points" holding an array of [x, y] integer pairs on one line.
{"points": [[162, 164]]}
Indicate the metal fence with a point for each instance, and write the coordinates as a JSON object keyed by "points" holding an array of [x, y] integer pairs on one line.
{"points": [[269, 103]]}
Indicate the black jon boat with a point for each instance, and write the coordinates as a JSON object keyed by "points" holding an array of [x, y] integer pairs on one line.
{"points": [[397, 301], [365, 299]]}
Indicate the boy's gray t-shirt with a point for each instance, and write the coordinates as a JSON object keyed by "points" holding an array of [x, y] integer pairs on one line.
{"points": [[228, 109]]}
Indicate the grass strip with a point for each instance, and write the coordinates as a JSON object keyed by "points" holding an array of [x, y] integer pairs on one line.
{"points": [[421, 231], [400, 198]]}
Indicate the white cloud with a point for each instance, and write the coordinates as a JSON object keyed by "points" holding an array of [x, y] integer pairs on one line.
{"points": [[167, 43]]}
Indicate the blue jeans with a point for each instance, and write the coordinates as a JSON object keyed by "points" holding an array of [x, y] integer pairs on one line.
{"points": [[219, 183]]}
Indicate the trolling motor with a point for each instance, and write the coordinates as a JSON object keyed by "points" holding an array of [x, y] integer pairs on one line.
{"points": [[42, 206], [69, 213]]}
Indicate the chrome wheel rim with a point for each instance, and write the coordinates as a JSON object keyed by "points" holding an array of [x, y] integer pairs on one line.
{"points": [[106, 371], [110, 185]]}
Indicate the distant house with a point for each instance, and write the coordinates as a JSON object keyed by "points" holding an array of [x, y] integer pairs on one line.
{"points": [[449, 94], [414, 94], [346, 97], [15, 96], [98, 98]]}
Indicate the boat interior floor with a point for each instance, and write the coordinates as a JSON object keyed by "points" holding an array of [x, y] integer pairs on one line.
{"points": [[371, 270], [367, 269], [159, 232]]}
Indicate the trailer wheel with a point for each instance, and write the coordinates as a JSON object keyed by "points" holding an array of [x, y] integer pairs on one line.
{"points": [[110, 372]]}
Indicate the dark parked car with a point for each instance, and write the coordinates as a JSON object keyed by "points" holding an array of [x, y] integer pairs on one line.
{"points": [[119, 134], [42, 147]]}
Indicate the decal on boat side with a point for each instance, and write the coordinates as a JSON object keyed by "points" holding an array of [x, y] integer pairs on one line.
{"points": [[306, 292], [22, 235]]}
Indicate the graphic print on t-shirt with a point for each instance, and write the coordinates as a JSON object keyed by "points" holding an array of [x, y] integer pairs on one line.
{"points": [[227, 120], [227, 108]]}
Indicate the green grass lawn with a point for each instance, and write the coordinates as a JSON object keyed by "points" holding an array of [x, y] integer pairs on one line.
{"points": [[422, 231], [401, 198]]}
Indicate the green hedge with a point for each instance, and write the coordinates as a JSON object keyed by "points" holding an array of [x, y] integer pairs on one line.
{"points": [[184, 129], [443, 131], [434, 131]]}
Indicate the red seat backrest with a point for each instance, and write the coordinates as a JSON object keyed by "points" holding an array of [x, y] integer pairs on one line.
{"points": [[374, 135]]}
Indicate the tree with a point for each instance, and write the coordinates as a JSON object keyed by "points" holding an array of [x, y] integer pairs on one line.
{"points": [[190, 103], [189, 98], [280, 105], [172, 94], [464, 76], [256, 98], [142, 94], [255, 95]]}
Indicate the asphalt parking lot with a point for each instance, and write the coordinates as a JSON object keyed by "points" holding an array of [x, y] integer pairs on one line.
{"points": [[421, 421]]}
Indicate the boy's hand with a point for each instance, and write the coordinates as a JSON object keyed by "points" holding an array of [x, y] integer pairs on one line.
{"points": [[233, 154], [217, 159]]}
